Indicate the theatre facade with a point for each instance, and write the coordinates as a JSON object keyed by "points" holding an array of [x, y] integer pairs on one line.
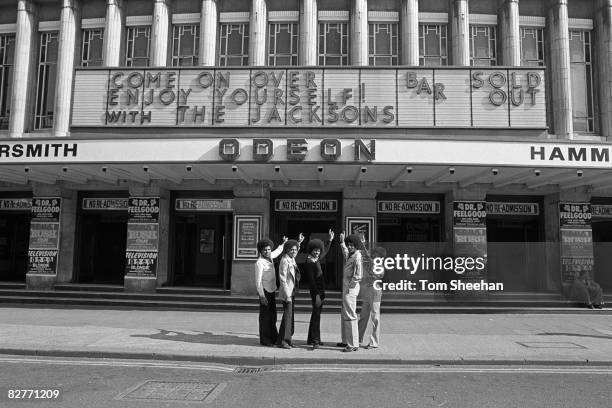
{"points": [[153, 143]]}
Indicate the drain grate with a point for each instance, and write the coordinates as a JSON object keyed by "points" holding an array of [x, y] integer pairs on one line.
{"points": [[249, 370], [183, 391], [550, 344]]}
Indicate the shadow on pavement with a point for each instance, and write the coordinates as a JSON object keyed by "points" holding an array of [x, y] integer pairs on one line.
{"points": [[593, 336], [200, 337]]}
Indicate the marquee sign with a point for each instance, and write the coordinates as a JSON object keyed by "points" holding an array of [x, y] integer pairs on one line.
{"points": [[310, 97], [409, 207], [200, 204], [306, 205], [503, 208]]}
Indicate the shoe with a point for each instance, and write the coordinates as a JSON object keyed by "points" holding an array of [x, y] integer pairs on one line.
{"points": [[315, 346], [284, 345], [267, 344], [321, 343], [598, 306], [369, 346], [591, 306], [348, 349], [341, 344], [290, 344]]}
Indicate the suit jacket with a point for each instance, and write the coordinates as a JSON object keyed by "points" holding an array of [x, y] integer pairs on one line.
{"points": [[287, 276]]}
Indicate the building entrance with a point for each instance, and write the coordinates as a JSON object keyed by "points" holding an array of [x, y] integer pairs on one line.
{"points": [[516, 257], [202, 244], [602, 252], [14, 239], [102, 243]]}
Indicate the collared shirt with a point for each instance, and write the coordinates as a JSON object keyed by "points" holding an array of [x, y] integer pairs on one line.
{"points": [[286, 275], [353, 267], [265, 274]]}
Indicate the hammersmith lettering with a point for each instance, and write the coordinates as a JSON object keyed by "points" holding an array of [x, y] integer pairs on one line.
{"points": [[582, 154], [39, 150]]}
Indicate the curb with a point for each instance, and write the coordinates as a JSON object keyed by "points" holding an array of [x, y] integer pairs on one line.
{"points": [[273, 361]]}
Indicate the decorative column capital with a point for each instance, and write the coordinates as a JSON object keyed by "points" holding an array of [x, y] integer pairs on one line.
{"points": [[27, 6], [72, 4], [115, 3]]}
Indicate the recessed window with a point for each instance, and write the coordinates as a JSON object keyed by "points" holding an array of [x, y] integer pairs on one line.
{"points": [[45, 86], [382, 44], [138, 44], [91, 51], [532, 47], [185, 45], [283, 44], [234, 44], [483, 47], [582, 81], [333, 44], [7, 55], [433, 42]]}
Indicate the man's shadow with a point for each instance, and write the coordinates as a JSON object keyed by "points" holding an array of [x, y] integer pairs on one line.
{"points": [[200, 337]]}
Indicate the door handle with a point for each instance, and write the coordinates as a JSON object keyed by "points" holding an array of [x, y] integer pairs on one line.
{"points": [[223, 248]]}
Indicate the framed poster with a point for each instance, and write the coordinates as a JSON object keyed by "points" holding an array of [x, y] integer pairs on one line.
{"points": [[247, 231], [361, 226]]}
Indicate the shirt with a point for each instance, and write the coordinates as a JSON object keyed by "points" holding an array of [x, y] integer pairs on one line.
{"points": [[287, 277], [265, 274], [352, 272]]}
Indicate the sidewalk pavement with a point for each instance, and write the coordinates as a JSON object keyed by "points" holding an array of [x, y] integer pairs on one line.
{"points": [[231, 337]]}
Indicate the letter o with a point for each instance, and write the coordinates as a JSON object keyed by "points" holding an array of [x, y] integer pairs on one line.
{"points": [[495, 77], [242, 99], [207, 76], [494, 96], [256, 81], [131, 77], [167, 96], [349, 118]]}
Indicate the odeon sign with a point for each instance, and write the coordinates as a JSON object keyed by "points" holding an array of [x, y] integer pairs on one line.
{"points": [[310, 97]]}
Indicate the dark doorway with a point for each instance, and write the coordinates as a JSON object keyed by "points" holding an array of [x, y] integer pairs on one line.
{"points": [[102, 242], [602, 252], [201, 250], [14, 240], [516, 257], [408, 228]]}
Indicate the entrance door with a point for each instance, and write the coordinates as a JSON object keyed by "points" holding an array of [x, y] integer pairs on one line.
{"points": [[102, 246], [200, 248], [602, 252], [515, 257], [14, 241], [313, 226]]}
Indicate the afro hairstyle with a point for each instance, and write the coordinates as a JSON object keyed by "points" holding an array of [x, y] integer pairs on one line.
{"points": [[290, 244], [264, 243], [353, 239], [314, 244]]}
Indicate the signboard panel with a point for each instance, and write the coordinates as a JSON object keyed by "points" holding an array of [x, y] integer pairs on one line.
{"points": [[574, 215], [44, 235], [306, 205], [415, 98], [601, 210], [363, 226], [469, 214], [301, 97], [142, 237], [143, 209], [16, 204], [409, 207], [107, 204], [196, 204], [501, 208], [491, 95]]}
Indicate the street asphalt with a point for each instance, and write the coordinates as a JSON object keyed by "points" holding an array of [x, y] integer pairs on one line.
{"points": [[232, 337]]}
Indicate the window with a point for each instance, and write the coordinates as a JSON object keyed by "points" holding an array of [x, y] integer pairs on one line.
{"points": [[91, 52], [582, 80], [7, 55], [283, 44], [532, 47], [483, 50], [433, 45], [138, 43], [185, 45], [333, 44], [382, 44], [45, 87], [234, 44]]}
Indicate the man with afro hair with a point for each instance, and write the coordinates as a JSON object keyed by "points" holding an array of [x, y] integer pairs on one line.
{"points": [[351, 276]]}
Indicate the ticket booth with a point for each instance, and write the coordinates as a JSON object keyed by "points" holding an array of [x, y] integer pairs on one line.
{"points": [[14, 237], [201, 246], [601, 224], [312, 214], [101, 238], [516, 253]]}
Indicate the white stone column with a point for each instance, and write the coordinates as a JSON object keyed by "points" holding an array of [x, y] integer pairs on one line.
{"points": [[558, 28], [359, 32], [70, 24], [113, 33], [460, 32], [409, 22], [510, 33], [257, 33], [309, 31], [24, 68], [208, 33], [160, 33], [603, 31]]}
